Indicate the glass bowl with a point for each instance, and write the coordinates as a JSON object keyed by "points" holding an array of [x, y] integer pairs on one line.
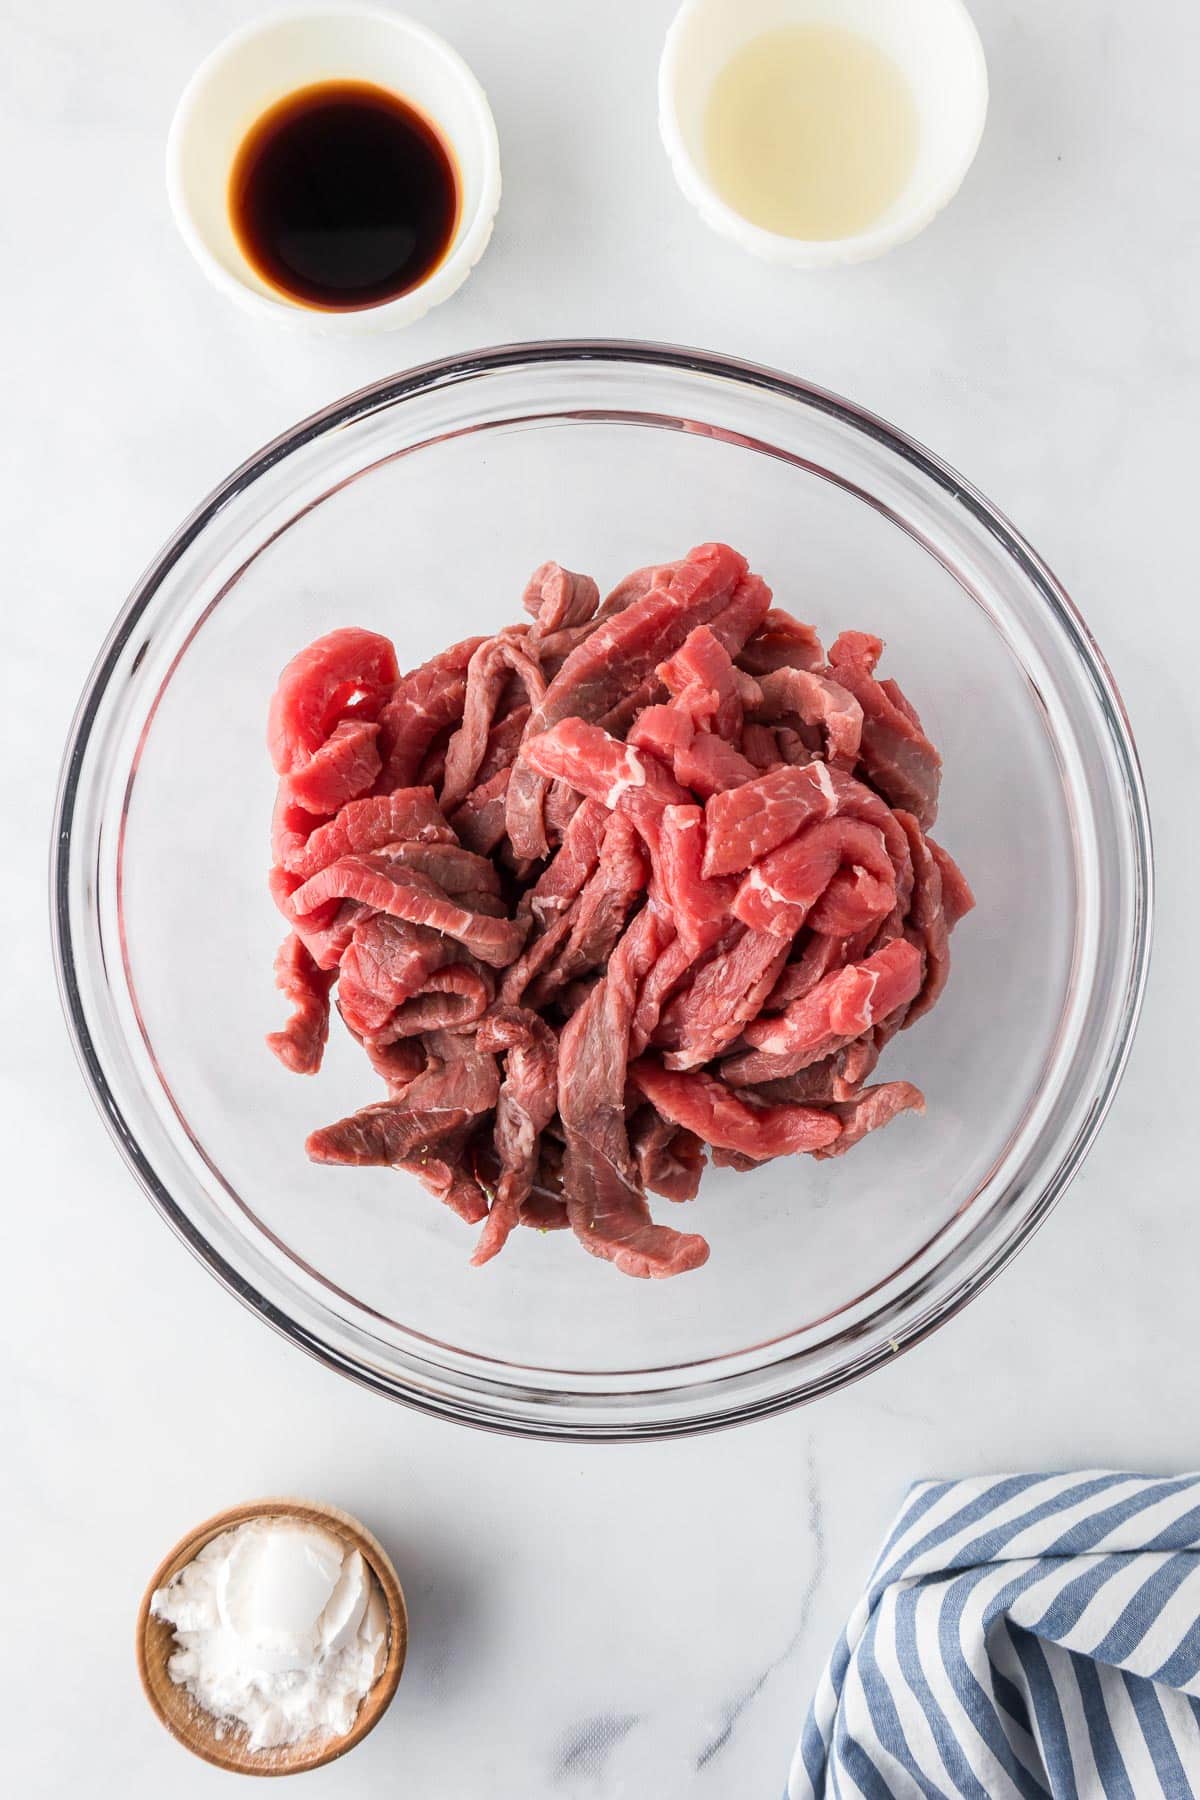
{"points": [[418, 507]]}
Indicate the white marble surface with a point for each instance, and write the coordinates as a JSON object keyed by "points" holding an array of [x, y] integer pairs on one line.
{"points": [[642, 1622]]}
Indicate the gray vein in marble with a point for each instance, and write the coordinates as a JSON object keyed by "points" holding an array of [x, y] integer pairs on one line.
{"points": [[589, 1747], [738, 1706]]}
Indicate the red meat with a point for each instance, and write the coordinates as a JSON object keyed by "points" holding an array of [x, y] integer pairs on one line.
{"points": [[635, 884]]}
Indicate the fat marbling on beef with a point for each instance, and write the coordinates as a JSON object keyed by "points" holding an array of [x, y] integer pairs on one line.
{"points": [[644, 880]]}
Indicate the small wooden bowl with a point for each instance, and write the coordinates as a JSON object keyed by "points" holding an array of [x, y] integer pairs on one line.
{"points": [[197, 1729]]}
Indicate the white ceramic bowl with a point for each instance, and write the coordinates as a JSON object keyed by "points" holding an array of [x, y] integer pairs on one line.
{"points": [[260, 64], [935, 45]]}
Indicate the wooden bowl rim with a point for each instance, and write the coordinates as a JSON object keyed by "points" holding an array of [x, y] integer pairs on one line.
{"points": [[191, 1726]]}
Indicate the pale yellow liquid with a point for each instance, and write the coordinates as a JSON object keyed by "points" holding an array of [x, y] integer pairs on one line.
{"points": [[811, 131]]}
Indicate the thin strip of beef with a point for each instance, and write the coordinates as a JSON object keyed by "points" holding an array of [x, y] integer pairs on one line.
{"points": [[445, 1100], [488, 673], [870, 1110], [957, 898], [670, 972], [563, 878], [605, 1201], [347, 672], [670, 1160], [443, 1167], [816, 958], [528, 1101], [409, 814], [698, 909], [545, 1212], [344, 767], [379, 883], [562, 803], [558, 598], [898, 758], [459, 871], [900, 699], [815, 699], [704, 1105], [452, 999], [539, 954], [382, 1134], [726, 993], [433, 763], [504, 741], [742, 615], [693, 909], [549, 905], [703, 682], [751, 821], [599, 917], [843, 1006], [613, 660], [709, 765], [781, 642], [600, 766], [735, 622], [386, 962], [926, 923], [835, 1078], [554, 647], [703, 763], [397, 1064], [633, 587], [543, 1208], [291, 828], [845, 1003], [425, 701], [836, 876], [749, 824], [479, 823], [324, 932], [928, 918], [301, 1043]]}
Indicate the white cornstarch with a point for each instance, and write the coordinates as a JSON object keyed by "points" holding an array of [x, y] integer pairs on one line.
{"points": [[281, 1628]]}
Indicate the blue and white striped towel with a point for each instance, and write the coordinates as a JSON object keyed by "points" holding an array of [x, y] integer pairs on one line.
{"points": [[1023, 1636]]}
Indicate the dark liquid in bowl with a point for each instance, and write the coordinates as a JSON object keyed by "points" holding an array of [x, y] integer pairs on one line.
{"points": [[343, 195]]}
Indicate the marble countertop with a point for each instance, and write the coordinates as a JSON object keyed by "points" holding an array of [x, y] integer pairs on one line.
{"points": [[586, 1624]]}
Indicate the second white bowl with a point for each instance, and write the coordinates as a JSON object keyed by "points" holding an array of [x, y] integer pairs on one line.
{"points": [[933, 43]]}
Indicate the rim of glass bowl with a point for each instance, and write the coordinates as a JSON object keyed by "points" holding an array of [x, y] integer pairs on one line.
{"points": [[735, 1387]]}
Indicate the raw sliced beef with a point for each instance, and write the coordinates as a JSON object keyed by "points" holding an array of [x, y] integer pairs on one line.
{"points": [[606, 1204], [897, 757], [702, 1104], [301, 1043], [873, 1108], [349, 673], [527, 1102], [843, 1006], [365, 825], [344, 767], [424, 702], [630, 886]]}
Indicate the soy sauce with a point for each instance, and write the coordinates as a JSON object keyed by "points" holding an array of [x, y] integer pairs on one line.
{"points": [[344, 196]]}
